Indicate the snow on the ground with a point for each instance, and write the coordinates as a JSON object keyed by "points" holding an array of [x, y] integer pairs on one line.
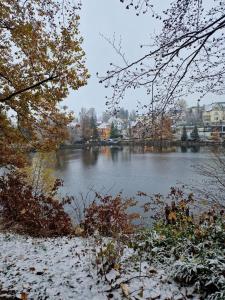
{"points": [[62, 268]]}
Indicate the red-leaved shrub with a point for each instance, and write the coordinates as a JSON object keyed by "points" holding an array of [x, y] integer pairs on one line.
{"points": [[109, 216], [26, 212]]}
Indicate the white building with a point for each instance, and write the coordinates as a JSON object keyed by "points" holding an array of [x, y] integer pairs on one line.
{"points": [[214, 113]]}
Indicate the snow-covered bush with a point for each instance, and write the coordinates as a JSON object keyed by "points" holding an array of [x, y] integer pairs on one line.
{"points": [[193, 252], [205, 271]]}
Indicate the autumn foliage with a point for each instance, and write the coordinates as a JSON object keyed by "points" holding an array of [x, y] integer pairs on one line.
{"points": [[27, 212], [41, 60], [109, 216]]}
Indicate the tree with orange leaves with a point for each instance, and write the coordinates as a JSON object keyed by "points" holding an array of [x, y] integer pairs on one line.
{"points": [[41, 60]]}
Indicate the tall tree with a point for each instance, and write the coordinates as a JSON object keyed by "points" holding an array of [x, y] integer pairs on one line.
{"points": [[160, 128], [88, 120], [114, 133], [194, 134], [85, 124], [41, 59], [215, 135]]}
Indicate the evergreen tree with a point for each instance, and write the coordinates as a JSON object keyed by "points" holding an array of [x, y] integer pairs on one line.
{"points": [[113, 131], [94, 128], [194, 134], [184, 136]]}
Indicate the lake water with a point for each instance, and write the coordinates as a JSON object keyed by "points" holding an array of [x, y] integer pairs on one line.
{"points": [[128, 169]]}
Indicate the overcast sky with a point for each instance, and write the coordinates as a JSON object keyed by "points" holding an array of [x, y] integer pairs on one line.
{"points": [[108, 17]]}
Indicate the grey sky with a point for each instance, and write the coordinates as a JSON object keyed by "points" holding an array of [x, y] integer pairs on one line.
{"points": [[109, 17]]}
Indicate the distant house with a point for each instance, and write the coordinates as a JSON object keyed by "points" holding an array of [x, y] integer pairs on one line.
{"points": [[104, 130], [214, 114], [137, 130], [214, 118]]}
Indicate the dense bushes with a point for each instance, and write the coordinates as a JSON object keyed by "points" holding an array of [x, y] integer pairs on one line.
{"points": [[26, 211], [29, 210], [109, 216], [201, 260], [191, 248], [193, 262]]}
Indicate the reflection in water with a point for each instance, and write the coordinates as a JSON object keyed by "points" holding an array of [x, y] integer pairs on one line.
{"points": [[65, 156], [152, 149], [90, 156], [127, 168], [126, 154], [114, 153], [105, 151], [137, 149], [61, 159], [159, 149], [184, 149], [195, 148]]}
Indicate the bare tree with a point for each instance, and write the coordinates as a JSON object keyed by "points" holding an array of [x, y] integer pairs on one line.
{"points": [[186, 57], [212, 186], [88, 123]]}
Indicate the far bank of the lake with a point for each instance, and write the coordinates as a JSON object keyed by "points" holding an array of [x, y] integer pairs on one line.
{"points": [[155, 143]]}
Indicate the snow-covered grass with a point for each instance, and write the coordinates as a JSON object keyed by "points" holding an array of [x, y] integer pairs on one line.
{"points": [[57, 268], [65, 268]]}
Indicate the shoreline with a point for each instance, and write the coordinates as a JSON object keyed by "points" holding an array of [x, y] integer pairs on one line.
{"points": [[132, 143]]}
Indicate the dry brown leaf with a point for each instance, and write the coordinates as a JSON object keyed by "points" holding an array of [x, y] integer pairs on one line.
{"points": [[125, 290], [172, 216], [23, 211], [24, 296]]}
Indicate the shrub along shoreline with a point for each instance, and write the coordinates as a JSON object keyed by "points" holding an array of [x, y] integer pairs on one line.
{"points": [[189, 248]]}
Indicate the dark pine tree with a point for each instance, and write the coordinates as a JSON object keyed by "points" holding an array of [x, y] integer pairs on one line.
{"points": [[194, 134], [114, 131]]}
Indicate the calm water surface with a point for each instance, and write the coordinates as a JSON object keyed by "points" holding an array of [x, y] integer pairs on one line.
{"points": [[111, 170]]}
